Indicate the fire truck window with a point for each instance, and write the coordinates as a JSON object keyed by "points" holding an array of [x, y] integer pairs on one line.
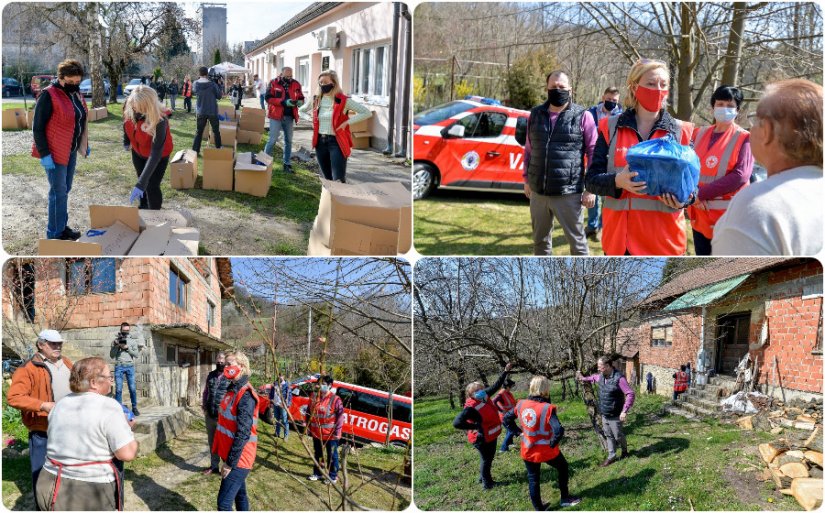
{"points": [[371, 405], [442, 112], [469, 123], [490, 124], [521, 131], [346, 396], [401, 412]]}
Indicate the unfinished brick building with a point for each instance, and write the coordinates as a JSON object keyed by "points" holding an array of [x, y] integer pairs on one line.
{"points": [[173, 304], [712, 316]]}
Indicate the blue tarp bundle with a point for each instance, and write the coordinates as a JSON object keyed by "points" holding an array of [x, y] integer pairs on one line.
{"points": [[666, 166]]}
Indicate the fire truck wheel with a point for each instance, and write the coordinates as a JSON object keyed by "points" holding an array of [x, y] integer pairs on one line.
{"points": [[425, 180]]}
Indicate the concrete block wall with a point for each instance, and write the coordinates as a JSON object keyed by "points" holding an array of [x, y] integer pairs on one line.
{"points": [[663, 376]]}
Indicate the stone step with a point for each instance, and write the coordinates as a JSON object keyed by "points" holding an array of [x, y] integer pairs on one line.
{"points": [[157, 425], [703, 403], [697, 410], [676, 410]]}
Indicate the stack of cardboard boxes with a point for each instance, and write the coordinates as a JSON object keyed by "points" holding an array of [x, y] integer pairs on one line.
{"points": [[98, 113], [17, 119], [361, 134], [365, 219], [251, 128], [117, 231]]}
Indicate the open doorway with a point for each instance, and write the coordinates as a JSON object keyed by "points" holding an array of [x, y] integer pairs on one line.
{"points": [[732, 339]]}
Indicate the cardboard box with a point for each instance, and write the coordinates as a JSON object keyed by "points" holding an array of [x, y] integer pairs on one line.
{"points": [[114, 240], [370, 205], [362, 126], [30, 119], [218, 168], [358, 239], [316, 245], [183, 242], [98, 113], [361, 141], [54, 247], [252, 119], [228, 112], [15, 119], [405, 230], [174, 218], [250, 178], [249, 137], [229, 133], [184, 169]]}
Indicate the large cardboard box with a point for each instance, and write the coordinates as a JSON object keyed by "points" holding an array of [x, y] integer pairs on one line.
{"points": [[249, 137], [316, 245], [218, 168], [183, 242], [229, 133], [360, 140], [369, 206], [98, 113], [184, 169], [227, 112], [252, 119], [362, 126], [251, 177], [15, 119], [30, 119], [405, 230]]}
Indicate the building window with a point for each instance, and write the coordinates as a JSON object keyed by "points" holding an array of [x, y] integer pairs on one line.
{"points": [[661, 336], [23, 286], [177, 287], [171, 354], [91, 276], [210, 313], [370, 70], [302, 71]]}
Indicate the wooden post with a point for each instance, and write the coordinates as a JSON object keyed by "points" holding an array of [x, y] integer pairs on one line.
{"points": [[452, 77], [779, 378]]}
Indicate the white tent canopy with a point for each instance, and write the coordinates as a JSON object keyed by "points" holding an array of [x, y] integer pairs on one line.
{"points": [[227, 67]]}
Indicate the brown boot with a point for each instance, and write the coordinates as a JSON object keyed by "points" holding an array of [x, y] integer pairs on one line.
{"points": [[608, 461]]}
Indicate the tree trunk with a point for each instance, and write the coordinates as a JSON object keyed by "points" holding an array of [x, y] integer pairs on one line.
{"points": [[452, 400], [563, 389], [95, 59], [730, 74], [593, 412]]}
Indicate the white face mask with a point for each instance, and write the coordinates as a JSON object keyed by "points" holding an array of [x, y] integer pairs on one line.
{"points": [[724, 114]]}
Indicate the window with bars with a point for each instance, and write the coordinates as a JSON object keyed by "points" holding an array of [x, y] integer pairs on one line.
{"points": [[90, 276], [370, 70], [661, 336]]}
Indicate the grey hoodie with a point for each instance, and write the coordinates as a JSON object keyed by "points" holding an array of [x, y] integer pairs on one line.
{"points": [[208, 94], [128, 356]]}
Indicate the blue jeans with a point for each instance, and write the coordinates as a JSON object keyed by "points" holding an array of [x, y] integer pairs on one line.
{"points": [[172, 100], [534, 479], [508, 439], [332, 456], [263, 101], [331, 159], [281, 420], [276, 126], [594, 217], [233, 490], [60, 184], [37, 453], [129, 372]]}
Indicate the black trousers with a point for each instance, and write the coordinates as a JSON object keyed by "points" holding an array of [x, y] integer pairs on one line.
{"points": [[213, 121], [534, 479], [152, 197], [487, 450], [187, 103]]}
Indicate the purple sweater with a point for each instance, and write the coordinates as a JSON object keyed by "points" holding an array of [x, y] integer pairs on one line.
{"points": [[588, 127], [731, 182], [629, 395]]}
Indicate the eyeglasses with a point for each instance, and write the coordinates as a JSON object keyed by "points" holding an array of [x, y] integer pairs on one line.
{"points": [[108, 376], [753, 118]]}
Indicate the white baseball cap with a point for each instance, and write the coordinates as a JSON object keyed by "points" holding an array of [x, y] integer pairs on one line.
{"points": [[50, 336]]}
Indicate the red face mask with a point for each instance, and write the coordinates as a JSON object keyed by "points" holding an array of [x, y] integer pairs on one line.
{"points": [[651, 99], [231, 371]]}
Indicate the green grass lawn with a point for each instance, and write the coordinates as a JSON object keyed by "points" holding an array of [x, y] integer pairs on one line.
{"points": [[675, 464], [292, 197], [484, 223]]}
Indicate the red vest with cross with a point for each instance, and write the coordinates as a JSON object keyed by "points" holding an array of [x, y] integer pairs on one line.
{"points": [[339, 115], [490, 422], [717, 161], [504, 401], [639, 224], [681, 382], [228, 425], [142, 141], [536, 432], [322, 416], [60, 127]]}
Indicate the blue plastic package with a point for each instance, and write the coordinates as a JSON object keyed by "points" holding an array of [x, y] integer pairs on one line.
{"points": [[666, 166]]}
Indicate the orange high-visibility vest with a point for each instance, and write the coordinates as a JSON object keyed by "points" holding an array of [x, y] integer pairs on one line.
{"points": [[490, 422], [717, 161], [681, 382], [504, 401], [322, 416], [536, 433], [639, 224], [228, 425]]}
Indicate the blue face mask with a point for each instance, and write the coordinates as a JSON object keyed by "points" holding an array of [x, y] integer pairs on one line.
{"points": [[481, 395], [724, 114], [324, 389]]}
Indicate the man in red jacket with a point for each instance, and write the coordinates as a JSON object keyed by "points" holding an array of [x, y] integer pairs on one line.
{"points": [[283, 97]]}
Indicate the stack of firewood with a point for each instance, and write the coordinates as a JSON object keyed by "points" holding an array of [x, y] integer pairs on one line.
{"points": [[796, 414], [796, 468]]}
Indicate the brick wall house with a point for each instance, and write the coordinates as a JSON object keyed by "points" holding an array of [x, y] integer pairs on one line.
{"points": [[713, 315], [173, 305]]}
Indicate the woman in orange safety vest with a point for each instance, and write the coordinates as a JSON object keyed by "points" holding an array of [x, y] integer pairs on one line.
{"points": [[483, 425], [724, 151], [325, 418], [236, 436], [635, 223], [541, 433], [504, 403]]}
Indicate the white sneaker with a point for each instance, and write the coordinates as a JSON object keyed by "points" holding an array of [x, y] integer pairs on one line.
{"points": [[314, 477], [333, 480]]}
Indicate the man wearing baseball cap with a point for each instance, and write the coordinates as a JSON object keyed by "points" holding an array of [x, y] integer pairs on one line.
{"points": [[35, 387]]}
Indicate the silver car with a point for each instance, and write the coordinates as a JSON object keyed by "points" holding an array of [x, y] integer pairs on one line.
{"points": [[86, 87], [131, 86]]}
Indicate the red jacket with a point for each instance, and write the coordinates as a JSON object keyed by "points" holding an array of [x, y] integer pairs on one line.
{"points": [[227, 425], [60, 128], [187, 89], [504, 401], [490, 422], [277, 96], [142, 142], [339, 115]]}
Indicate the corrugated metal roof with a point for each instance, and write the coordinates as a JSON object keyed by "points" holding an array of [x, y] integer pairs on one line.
{"points": [[706, 295], [309, 14]]}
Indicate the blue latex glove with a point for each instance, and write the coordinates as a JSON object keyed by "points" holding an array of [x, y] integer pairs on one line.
{"points": [[299, 103], [290, 103], [47, 162], [136, 195], [88, 150]]}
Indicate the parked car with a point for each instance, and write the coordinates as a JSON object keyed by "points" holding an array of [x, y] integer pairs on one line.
{"points": [[131, 86], [39, 82], [365, 411], [469, 144], [86, 87], [11, 87]]}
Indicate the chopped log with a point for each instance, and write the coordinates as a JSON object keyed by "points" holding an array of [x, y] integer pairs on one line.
{"points": [[785, 491], [781, 480], [776, 413], [786, 458], [808, 426], [761, 422], [794, 470], [746, 423], [807, 492], [771, 451], [814, 456], [814, 442], [800, 455], [815, 472], [777, 430], [793, 411], [806, 418]]}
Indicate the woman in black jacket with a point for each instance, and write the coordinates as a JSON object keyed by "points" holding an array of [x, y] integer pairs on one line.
{"points": [[236, 93]]}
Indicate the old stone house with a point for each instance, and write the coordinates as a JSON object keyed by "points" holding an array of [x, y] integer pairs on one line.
{"points": [[712, 316], [173, 305]]}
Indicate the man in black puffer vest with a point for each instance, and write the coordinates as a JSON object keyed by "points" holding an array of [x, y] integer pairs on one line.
{"points": [[560, 134], [213, 392]]}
